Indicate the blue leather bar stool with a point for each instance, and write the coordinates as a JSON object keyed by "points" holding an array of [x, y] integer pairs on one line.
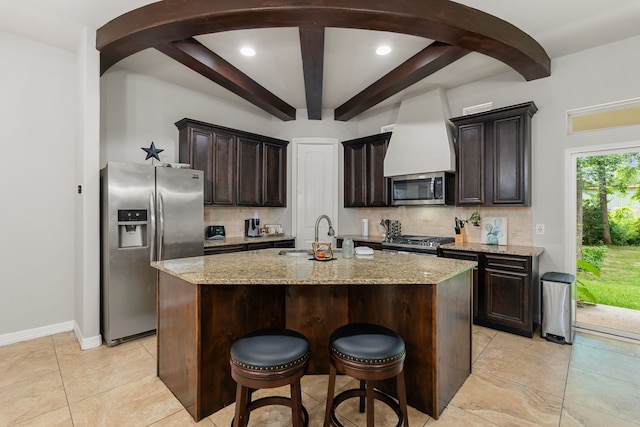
{"points": [[368, 353], [269, 358]]}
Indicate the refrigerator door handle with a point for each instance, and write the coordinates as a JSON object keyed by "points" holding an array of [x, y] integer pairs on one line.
{"points": [[152, 211], [160, 226]]}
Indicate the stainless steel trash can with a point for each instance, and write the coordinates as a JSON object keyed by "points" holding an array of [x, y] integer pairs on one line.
{"points": [[558, 307]]}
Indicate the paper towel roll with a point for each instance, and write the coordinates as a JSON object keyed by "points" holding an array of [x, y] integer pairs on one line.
{"points": [[365, 227]]}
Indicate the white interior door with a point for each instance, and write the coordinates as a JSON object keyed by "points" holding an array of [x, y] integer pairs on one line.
{"points": [[315, 178]]}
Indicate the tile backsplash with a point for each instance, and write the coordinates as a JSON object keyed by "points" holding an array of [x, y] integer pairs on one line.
{"points": [[233, 218], [439, 221]]}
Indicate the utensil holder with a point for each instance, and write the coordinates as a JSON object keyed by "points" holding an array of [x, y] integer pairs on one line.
{"points": [[461, 238]]}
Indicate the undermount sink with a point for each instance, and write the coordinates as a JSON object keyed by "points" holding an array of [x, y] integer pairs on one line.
{"points": [[302, 252], [296, 252]]}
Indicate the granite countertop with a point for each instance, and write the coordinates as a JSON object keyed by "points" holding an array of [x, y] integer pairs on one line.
{"points": [[266, 267], [495, 249], [242, 240]]}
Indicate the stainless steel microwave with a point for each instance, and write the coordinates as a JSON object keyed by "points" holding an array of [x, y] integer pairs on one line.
{"points": [[433, 188]]}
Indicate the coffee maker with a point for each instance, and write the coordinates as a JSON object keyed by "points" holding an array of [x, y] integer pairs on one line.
{"points": [[252, 227]]}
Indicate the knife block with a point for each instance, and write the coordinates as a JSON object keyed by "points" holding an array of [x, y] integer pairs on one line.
{"points": [[461, 238]]}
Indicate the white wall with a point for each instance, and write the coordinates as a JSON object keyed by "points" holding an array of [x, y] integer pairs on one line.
{"points": [[37, 186], [137, 109]]}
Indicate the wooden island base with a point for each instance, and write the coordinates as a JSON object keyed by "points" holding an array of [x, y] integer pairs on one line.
{"points": [[197, 324]]}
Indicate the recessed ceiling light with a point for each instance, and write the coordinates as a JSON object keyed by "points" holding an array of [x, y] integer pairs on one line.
{"points": [[247, 51], [383, 50]]}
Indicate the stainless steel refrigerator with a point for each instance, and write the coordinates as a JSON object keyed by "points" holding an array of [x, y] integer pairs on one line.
{"points": [[148, 213]]}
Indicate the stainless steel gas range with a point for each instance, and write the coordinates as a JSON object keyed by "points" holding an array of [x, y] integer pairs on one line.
{"points": [[423, 245]]}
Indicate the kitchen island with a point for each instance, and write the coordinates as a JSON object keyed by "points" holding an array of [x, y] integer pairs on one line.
{"points": [[206, 303]]}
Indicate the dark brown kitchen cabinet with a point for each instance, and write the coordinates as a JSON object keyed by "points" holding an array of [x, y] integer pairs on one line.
{"points": [[253, 246], [240, 168], [506, 290], [494, 157], [364, 181], [373, 245]]}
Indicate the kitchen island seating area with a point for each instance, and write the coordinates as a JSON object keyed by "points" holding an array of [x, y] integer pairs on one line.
{"points": [[369, 353], [206, 303], [269, 358]]}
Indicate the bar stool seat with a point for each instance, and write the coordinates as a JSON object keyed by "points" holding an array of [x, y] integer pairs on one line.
{"points": [[369, 353], [269, 358]]}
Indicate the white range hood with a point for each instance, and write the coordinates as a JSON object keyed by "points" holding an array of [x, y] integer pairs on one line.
{"points": [[422, 139]]}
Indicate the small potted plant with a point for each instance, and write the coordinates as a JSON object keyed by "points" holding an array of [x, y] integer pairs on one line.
{"points": [[475, 218]]}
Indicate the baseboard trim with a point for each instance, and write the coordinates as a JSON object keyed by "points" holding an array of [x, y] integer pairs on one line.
{"points": [[30, 334], [45, 331], [87, 343]]}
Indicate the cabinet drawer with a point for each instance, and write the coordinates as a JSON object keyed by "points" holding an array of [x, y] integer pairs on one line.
{"points": [[508, 262], [224, 249], [467, 256]]}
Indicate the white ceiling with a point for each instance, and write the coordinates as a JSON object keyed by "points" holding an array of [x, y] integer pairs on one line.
{"points": [[561, 27]]}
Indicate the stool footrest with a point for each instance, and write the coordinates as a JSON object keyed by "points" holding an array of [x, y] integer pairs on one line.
{"points": [[359, 392]]}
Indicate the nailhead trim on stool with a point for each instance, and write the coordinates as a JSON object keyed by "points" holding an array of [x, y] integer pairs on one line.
{"points": [[269, 358], [367, 352]]}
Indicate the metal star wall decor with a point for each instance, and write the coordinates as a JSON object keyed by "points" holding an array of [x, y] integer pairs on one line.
{"points": [[152, 151]]}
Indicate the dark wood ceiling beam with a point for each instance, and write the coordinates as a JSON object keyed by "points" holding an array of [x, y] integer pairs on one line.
{"points": [[199, 58], [312, 48], [426, 62], [449, 22]]}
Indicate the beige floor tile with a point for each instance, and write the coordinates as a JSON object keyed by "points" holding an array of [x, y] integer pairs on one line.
{"points": [[93, 371], [576, 415], [456, 417], [29, 365], [536, 363], [65, 338], [619, 318], [150, 343], [24, 347], [28, 399], [604, 394], [481, 338], [507, 403], [183, 418], [57, 418], [138, 403]]}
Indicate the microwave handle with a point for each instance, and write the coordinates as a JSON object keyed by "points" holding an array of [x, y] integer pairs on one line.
{"points": [[433, 187]]}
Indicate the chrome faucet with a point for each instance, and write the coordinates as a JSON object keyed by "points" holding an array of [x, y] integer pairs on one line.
{"points": [[330, 233]]}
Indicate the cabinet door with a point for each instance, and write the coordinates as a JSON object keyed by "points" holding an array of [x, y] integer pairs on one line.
{"points": [[510, 165], [249, 175], [274, 175], [200, 150], [507, 300], [471, 164], [355, 176], [223, 164], [378, 188]]}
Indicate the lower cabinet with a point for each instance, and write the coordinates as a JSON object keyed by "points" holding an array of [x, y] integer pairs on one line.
{"points": [[506, 291], [225, 249]]}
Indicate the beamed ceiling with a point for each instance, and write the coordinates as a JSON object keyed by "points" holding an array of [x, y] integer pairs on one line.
{"points": [[453, 31]]}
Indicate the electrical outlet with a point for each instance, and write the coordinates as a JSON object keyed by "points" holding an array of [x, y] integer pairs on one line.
{"points": [[539, 228]]}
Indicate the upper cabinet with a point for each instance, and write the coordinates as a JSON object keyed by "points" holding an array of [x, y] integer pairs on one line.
{"points": [[364, 181], [494, 157], [240, 168]]}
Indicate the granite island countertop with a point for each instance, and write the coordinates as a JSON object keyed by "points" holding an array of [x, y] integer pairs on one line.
{"points": [[266, 267], [495, 249]]}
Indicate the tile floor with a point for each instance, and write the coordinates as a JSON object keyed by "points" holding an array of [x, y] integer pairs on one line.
{"points": [[516, 381]]}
